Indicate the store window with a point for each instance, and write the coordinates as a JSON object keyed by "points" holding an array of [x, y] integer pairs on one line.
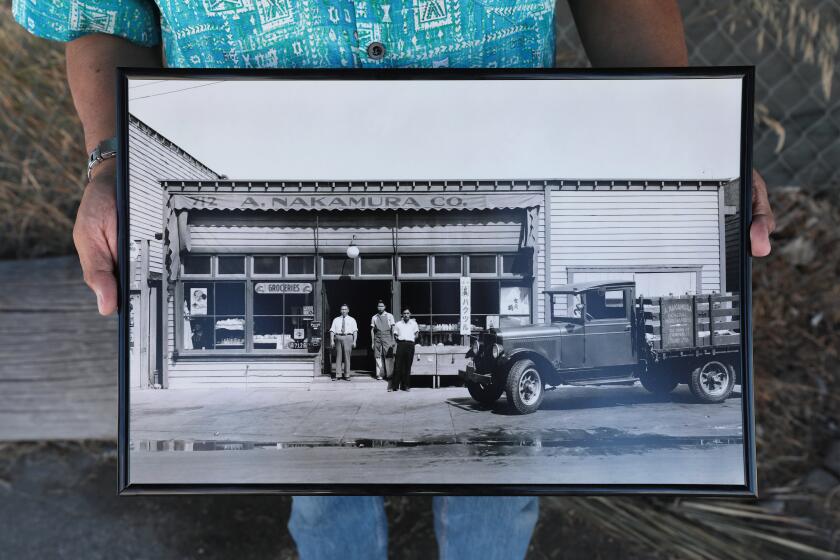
{"points": [[484, 304], [414, 264], [483, 265], [214, 315], [197, 265], [280, 320], [267, 266], [338, 266], [497, 303], [300, 265], [517, 264], [435, 306], [231, 266], [376, 266], [447, 264]]}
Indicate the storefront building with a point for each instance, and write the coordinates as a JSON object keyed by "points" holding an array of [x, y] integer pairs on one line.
{"points": [[254, 272], [153, 157]]}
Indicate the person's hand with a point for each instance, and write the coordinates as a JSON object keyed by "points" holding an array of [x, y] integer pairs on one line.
{"points": [[763, 223], [95, 236]]}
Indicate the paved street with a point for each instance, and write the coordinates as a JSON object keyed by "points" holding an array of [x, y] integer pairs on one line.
{"points": [[359, 433]]}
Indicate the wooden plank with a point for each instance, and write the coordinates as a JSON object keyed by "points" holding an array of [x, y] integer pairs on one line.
{"points": [[726, 312], [720, 325], [58, 356]]}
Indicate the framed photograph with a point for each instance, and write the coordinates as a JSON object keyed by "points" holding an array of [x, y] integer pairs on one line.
{"points": [[446, 282]]}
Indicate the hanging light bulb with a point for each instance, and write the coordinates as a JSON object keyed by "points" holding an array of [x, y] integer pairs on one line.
{"points": [[352, 249]]}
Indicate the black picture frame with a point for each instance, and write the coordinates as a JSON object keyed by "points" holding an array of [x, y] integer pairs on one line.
{"points": [[745, 73]]}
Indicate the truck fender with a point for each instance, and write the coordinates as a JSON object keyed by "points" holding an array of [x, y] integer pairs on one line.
{"points": [[544, 365]]}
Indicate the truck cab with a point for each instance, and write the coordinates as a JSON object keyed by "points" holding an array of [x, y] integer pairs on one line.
{"points": [[596, 324], [588, 337]]}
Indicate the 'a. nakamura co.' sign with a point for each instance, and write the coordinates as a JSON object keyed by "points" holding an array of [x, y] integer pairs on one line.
{"points": [[361, 201]]}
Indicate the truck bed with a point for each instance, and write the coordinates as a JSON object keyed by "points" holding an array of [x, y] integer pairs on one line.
{"points": [[691, 324]]}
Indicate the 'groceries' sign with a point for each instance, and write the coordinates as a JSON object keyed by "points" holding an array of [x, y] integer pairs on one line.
{"points": [[283, 288]]}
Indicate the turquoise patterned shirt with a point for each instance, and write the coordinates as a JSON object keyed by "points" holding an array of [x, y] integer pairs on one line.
{"points": [[312, 33]]}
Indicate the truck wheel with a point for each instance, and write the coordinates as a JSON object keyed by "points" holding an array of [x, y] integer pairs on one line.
{"points": [[525, 387], [712, 383], [485, 394], [657, 381]]}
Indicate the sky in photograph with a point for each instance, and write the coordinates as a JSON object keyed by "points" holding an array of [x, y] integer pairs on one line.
{"points": [[420, 130]]}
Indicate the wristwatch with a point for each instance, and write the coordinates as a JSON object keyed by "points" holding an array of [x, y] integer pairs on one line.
{"points": [[105, 150]]}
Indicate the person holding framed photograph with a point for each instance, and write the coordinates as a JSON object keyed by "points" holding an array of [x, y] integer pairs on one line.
{"points": [[339, 33]]}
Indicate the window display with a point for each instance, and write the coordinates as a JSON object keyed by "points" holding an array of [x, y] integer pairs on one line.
{"points": [[217, 315], [276, 318], [214, 315]]}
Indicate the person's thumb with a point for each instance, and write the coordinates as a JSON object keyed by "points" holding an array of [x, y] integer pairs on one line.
{"points": [[760, 236], [104, 285]]}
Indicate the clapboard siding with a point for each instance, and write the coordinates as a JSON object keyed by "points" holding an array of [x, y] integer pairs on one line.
{"points": [[193, 374], [150, 161], [677, 229], [235, 383]]}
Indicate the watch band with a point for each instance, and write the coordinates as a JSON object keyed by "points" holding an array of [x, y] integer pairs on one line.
{"points": [[105, 150]]}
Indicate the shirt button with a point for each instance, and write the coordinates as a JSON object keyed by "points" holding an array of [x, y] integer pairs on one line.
{"points": [[376, 50]]}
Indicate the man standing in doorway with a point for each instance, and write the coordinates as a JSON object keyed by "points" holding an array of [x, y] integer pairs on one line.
{"points": [[382, 340], [343, 333], [405, 331]]}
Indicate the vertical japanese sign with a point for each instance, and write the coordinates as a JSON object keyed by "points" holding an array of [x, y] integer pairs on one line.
{"points": [[466, 311]]}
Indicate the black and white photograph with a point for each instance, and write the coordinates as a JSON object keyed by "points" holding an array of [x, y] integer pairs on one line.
{"points": [[544, 285]]}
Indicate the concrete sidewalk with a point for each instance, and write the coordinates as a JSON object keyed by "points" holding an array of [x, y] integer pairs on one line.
{"points": [[364, 410], [360, 433]]}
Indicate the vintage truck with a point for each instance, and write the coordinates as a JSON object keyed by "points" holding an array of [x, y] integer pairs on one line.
{"points": [[601, 333]]}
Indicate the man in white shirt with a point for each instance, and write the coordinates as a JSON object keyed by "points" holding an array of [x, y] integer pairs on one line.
{"points": [[343, 333], [405, 331], [382, 340]]}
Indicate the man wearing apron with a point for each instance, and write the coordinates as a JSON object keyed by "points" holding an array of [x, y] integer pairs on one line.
{"points": [[382, 340]]}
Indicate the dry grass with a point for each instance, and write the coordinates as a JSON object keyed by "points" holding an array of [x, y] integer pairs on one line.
{"points": [[41, 147]]}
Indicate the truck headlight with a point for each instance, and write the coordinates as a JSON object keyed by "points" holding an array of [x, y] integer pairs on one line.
{"points": [[497, 351], [476, 346]]}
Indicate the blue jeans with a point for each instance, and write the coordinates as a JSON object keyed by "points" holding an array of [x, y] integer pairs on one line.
{"points": [[355, 527]]}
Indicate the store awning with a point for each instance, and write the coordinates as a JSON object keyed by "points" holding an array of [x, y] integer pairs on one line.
{"points": [[357, 201]]}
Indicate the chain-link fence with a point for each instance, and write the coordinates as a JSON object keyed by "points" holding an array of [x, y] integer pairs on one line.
{"points": [[794, 46]]}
